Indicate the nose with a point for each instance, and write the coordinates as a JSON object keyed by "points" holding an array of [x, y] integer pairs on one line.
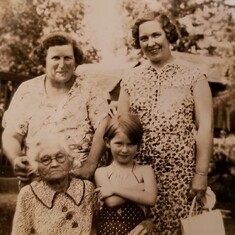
{"points": [[54, 163], [61, 62], [151, 42], [124, 148]]}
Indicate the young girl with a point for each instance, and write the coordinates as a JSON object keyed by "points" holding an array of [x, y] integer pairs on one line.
{"points": [[125, 187]]}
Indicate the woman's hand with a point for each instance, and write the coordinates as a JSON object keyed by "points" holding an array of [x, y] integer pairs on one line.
{"points": [[146, 227], [112, 109], [21, 168], [85, 171], [198, 186], [104, 191]]}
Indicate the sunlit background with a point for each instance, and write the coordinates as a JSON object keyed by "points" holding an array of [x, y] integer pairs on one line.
{"points": [[103, 29]]}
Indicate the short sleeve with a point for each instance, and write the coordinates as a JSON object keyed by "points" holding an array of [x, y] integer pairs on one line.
{"points": [[197, 75], [126, 81], [98, 107], [14, 117]]}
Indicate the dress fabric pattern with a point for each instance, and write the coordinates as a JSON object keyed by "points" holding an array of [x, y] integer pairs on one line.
{"points": [[119, 220], [77, 115], [43, 211], [164, 102]]}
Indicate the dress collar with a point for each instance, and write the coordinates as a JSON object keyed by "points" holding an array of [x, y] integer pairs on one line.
{"points": [[46, 195]]}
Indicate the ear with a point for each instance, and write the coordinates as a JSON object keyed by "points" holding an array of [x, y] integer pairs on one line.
{"points": [[107, 141]]}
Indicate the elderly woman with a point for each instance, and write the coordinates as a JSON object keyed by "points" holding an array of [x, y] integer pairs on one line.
{"points": [[57, 203], [59, 101], [173, 100]]}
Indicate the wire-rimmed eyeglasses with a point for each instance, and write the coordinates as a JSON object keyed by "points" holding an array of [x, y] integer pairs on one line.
{"points": [[47, 159]]}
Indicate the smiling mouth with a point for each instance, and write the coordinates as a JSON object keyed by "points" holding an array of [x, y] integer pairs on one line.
{"points": [[124, 156], [154, 50], [62, 72]]}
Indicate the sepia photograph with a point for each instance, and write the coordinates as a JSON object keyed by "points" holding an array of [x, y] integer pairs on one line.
{"points": [[117, 117]]}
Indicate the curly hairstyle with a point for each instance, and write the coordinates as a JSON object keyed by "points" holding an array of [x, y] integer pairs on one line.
{"points": [[56, 39], [168, 27], [129, 124]]}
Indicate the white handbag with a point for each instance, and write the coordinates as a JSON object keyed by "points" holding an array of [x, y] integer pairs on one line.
{"points": [[208, 223]]}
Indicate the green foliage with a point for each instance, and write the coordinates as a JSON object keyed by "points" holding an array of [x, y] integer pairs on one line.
{"points": [[205, 27], [19, 37], [23, 25]]}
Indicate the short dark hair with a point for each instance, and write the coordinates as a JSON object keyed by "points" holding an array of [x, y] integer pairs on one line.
{"points": [[56, 39], [168, 27], [129, 123]]}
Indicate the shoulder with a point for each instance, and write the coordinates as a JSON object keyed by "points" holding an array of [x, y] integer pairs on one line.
{"points": [[31, 85], [189, 67], [86, 85], [134, 75], [102, 170], [33, 81], [25, 194], [144, 169], [83, 78], [102, 174], [136, 70], [186, 72]]}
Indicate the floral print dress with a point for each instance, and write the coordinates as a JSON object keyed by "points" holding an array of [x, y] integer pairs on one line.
{"points": [[164, 102], [31, 114]]}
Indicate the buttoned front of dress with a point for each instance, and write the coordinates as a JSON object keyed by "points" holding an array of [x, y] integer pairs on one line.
{"points": [[44, 211], [163, 99]]}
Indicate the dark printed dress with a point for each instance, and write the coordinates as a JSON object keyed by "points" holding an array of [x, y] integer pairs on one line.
{"points": [[119, 220], [164, 102]]}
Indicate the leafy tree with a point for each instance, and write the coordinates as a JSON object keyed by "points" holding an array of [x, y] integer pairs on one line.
{"points": [[19, 37], [22, 26]]}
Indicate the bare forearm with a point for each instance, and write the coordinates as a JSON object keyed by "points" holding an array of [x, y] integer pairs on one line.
{"points": [[204, 149], [98, 144], [11, 145], [138, 196], [114, 201]]}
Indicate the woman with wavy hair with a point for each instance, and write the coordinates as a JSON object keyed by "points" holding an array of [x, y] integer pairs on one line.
{"points": [[173, 101]]}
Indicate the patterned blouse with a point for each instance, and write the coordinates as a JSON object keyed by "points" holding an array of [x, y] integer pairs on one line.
{"points": [[41, 210], [77, 116]]}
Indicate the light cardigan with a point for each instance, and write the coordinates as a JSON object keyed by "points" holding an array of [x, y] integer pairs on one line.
{"points": [[42, 211]]}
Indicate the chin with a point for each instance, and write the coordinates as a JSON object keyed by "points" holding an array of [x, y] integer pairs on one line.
{"points": [[56, 176]]}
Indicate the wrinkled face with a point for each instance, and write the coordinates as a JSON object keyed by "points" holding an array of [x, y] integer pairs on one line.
{"points": [[53, 163], [153, 41], [122, 149], [60, 63]]}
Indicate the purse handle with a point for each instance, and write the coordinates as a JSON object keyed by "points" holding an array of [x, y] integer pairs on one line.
{"points": [[194, 205]]}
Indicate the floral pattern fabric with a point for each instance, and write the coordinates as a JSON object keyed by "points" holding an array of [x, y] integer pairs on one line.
{"points": [[77, 116], [163, 100]]}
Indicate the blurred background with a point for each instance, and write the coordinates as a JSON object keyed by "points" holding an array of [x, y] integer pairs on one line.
{"points": [[207, 38]]}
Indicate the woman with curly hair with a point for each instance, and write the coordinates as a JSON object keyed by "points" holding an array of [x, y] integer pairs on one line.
{"points": [[173, 101], [59, 101]]}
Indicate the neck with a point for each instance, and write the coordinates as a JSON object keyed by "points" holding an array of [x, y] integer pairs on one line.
{"points": [[54, 88], [60, 185], [123, 166], [160, 64], [57, 91]]}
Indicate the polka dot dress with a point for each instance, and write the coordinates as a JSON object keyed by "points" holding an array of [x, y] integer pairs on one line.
{"points": [[119, 220]]}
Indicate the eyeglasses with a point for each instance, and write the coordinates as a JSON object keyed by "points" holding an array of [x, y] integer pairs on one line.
{"points": [[47, 159]]}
